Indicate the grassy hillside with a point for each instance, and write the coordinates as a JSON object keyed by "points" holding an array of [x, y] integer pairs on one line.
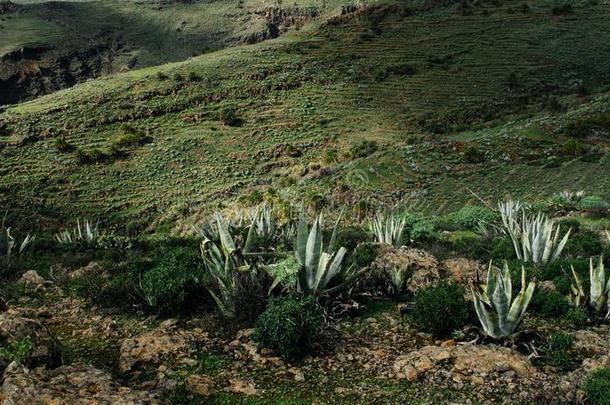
{"points": [[388, 104], [69, 42]]}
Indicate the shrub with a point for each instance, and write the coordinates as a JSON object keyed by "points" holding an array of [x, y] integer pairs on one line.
{"points": [[472, 154], [62, 145], [593, 203], [167, 285], [584, 243], [363, 149], [17, 351], [289, 325], [228, 116], [193, 77], [564, 8], [251, 296], [128, 137], [441, 309], [418, 228], [502, 249], [574, 147], [550, 304], [472, 216], [576, 317], [364, 254], [351, 237], [91, 156], [558, 348], [597, 387]]}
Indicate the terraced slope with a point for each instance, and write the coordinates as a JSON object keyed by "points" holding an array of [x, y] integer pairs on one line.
{"points": [[46, 46], [452, 102]]}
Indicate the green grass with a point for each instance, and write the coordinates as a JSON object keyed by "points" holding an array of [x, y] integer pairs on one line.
{"points": [[317, 89]]}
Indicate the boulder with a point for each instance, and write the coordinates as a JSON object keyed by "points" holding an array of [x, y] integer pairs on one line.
{"points": [[31, 281], [45, 348], [73, 384], [93, 269], [422, 268]]}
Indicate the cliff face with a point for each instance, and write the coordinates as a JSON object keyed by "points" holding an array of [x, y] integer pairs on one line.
{"points": [[35, 70]]}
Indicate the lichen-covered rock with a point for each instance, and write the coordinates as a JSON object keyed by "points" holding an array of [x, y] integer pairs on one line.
{"points": [[591, 342], [31, 281], [73, 384], [472, 363], [93, 269], [151, 348], [45, 348], [421, 267]]}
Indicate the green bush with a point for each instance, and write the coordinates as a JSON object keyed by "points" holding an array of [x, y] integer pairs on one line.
{"points": [[169, 283], [559, 348], [62, 145], [549, 303], [351, 237], [419, 228], [363, 149], [594, 203], [441, 309], [584, 244], [228, 116], [576, 317], [597, 387], [502, 249], [17, 351], [473, 154], [364, 254], [471, 216], [289, 325]]}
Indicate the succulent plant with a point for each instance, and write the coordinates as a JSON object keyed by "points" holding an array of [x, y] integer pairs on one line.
{"points": [[319, 267], [535, 238], [388, 228], [498, 313], [87, 233], [8, 243], [599, 288]]}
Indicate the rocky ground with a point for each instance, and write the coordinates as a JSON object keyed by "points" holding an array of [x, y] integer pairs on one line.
{"points": [[82, 354]]}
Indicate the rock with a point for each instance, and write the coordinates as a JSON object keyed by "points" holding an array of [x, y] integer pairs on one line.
{"points": [[298, 374], [464, 270], [242, 387], [45, 348], [93, 269], [32, 282], [465, 362], [73, 384], [422, 268], [548, 285], [591, 342], [199, 384], [150, 348]]}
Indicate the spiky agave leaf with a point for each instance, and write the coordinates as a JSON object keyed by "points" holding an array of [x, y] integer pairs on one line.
{"points": [[498, 313]]}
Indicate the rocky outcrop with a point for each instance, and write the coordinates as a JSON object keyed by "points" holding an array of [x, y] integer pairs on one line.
{"points": [[278, 19], [150, 348], [45, 348], [7, 7], [472, 363], [32, 71], [31, 281], [73, 384], [421, 267]]}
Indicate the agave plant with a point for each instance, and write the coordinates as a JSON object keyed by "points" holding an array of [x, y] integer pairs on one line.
{"points": [[509, 210], [222, 261], [388, 228], [8, 243], [498, 313], [535, 238], [319, 267], [87, 233], [599, 289]]}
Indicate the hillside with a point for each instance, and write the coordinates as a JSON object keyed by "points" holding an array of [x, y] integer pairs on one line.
{"points": [[251, 202], [48, 45], [386, 104]]}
